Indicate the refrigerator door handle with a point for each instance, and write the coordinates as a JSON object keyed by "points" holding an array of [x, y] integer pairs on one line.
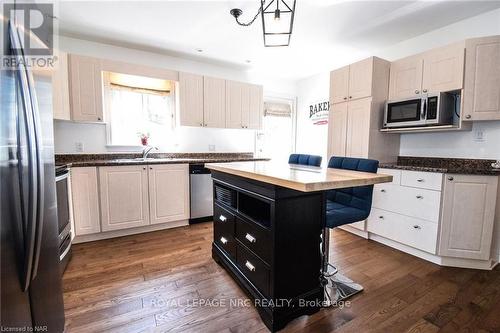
{"points": [[40, 172], [30, 229]]}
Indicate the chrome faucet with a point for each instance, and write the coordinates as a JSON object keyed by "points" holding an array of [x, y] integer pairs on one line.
{"points": [[496, 165], [147, 150]]}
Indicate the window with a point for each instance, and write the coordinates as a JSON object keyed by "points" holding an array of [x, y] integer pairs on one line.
{"points": [[276, 140], [137, 106]]}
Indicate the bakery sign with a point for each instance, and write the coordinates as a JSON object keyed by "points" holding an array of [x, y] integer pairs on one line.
{"points": [[318, 112]]}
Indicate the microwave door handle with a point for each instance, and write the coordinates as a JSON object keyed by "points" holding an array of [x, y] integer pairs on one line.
{"points": [[423, 114]]}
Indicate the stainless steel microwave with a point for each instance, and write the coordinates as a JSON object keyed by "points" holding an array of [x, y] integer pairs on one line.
{"points": [[431, 109]]}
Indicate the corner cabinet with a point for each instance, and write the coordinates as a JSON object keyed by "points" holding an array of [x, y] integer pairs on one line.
{"points": [[482, 79], [124, 197], [468, 214], [191, 99], [85, 88], [85, 200], [168, 192]]}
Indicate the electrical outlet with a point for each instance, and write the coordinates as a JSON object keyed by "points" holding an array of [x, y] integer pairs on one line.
{"points": [[211, 147], [479, 135], [79, 147]]}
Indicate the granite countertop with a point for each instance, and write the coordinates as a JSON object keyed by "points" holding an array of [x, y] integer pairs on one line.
{"points": [[117, 159], [444, 165]]}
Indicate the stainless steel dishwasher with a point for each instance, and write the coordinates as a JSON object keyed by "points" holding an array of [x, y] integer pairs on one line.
{"points": [[201, 194]]}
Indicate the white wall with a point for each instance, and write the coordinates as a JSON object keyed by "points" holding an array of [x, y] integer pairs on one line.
{"points": [[311, 139], [458, 144], [187, 139]]}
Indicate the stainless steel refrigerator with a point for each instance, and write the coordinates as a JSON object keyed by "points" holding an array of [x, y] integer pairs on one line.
{"points": [[31, 288]]}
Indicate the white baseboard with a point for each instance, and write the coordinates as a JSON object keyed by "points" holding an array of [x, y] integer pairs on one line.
{"points": [[127, 232]]}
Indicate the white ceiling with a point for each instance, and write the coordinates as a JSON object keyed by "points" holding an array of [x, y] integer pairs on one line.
{"points": [[326, 32]]}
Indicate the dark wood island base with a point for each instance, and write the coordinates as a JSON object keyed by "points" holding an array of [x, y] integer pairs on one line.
{"points": [[268, 238]]}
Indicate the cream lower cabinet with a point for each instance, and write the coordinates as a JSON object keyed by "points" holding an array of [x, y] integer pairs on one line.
{"points": [[124, 197], [85, 200], [468, 216], [445, 218], [168, 192]]}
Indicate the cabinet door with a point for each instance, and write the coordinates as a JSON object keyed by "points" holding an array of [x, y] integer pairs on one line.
{"points": [[191, 99], [358, 128], [60, 88], [85, 88], [468, 212], [360, 79], [339, 85], [444, 69], [124, 197], [234, 104], [214, 102], [168, 192], [406, 77], [256, 106], [482, 79], [337, 130], [85, 200]]}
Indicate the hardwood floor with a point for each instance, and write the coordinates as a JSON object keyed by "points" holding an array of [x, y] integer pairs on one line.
{"points": [[151, 282]]}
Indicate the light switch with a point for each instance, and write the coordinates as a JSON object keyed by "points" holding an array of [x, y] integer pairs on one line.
{"points": [[79, 147]]}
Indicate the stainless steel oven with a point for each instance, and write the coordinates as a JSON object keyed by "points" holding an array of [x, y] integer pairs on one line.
{"points": [[63, 216], [431, 109]]}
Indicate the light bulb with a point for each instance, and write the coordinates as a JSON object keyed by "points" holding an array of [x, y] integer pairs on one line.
{"points": [[277, 14]]}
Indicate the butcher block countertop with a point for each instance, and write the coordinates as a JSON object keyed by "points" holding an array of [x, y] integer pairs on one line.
{"points": [[299, 177]]}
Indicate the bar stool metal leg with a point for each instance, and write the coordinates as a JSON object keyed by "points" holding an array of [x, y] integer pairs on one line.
{"points": [[337, 287]]}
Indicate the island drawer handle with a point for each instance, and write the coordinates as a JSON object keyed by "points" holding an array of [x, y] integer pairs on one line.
{"points": [[250, 267], [381, 217], [222, 218], [417, 227], [250, 238], [419, 197], [223, 240], [420, 180], [382, 190]]}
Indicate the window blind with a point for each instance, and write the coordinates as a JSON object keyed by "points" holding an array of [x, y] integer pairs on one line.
{"points": [[272, 109]]}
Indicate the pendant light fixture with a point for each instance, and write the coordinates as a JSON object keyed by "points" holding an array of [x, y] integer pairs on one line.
{"points": [[277, 21]]}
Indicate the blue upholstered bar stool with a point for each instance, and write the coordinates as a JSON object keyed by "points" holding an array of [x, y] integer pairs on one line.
{"points": [[344, 206], [303, 159]]}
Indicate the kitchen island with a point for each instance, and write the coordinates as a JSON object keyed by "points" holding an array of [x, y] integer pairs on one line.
{"points": [[268, 219]]}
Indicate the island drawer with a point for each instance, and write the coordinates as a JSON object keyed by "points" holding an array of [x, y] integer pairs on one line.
{"points": [[419, 179], [254, 237], [226, 242], [254, 269], [223, 220]]}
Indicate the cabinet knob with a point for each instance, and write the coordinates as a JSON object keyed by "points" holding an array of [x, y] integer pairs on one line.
{"points": [[150, 168], [350, 96], [250, 267], [468, 116], [420, 180], [450, 178], [345, 98], [417, 91], [201, 124], [223, 240], [99, 118], [424, 91], [381, 217], [382, 190], [222, 218], [417, 227], [250, 238], [143, 168]]}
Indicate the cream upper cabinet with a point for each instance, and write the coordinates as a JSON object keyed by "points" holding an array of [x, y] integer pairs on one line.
{"points": [[338, 130], [256, 107], [339, 85], [360, 79], [60, 88], [482, 79], [191, 95], [85, 199], [124, 197], [234, 103], [468, 212], [444, 68], [168, 192], [85, 88], [214, 102], [358, 128], [406, 77]]}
